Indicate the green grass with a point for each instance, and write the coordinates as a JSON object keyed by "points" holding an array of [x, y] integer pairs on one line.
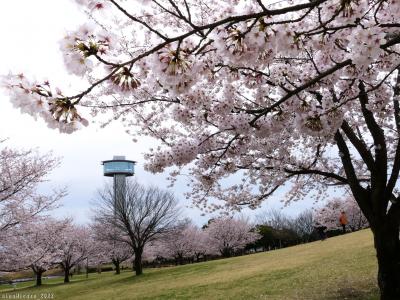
{"points": [[339, 268]]}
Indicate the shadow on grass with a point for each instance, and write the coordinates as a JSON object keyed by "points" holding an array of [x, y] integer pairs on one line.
{"points": [[173, 271], [351, 293], [43, 286], [131, 278], [348, 292]]}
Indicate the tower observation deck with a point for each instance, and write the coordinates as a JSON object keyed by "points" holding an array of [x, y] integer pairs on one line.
{"points": [[119, 168]]}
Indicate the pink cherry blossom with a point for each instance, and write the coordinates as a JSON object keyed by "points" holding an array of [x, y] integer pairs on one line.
{"points": [[226, 235], [295, 96]]}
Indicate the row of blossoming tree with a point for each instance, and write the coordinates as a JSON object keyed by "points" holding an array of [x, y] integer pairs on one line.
{"points": [[135, 228], [141, 227], [289, 93]]}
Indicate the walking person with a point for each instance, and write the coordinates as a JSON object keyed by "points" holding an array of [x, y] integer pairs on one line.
{"points": [[343, 221]]}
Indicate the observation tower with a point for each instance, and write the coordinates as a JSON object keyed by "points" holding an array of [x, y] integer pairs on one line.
{"points": [[119, 168]]}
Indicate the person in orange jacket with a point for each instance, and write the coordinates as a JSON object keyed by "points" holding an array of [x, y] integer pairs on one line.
{"points": [[343, 221]]}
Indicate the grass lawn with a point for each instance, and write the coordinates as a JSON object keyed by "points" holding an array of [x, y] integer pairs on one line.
{"points": [[339, 268]]}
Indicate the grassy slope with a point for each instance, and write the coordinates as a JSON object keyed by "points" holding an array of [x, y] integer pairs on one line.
{"points": [[338, 268]]}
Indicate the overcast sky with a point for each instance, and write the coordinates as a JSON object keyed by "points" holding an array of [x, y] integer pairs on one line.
{"points": [[30, 31]]}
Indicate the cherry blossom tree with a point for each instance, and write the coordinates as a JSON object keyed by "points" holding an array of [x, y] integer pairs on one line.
{"points": [[32, 245], [329, 214], [200, 242], [143, 215], [226, 235], [183, 241], [153, 251], [110, 245], [289, 93], [21, 171], [75, 245]]}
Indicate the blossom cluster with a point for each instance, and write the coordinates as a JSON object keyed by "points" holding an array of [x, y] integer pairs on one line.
{"points": [[238, 87], [39, 99], [81, 46]]}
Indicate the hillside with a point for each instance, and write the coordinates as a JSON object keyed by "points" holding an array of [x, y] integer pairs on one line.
{"points": [[343, 267]]}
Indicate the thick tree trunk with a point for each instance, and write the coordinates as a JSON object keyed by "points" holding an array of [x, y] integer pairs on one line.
{"points": [[387, 245], [226, 252], [117, 267], [138, 262], [180, 259], [66, 274], [38, 278]]}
